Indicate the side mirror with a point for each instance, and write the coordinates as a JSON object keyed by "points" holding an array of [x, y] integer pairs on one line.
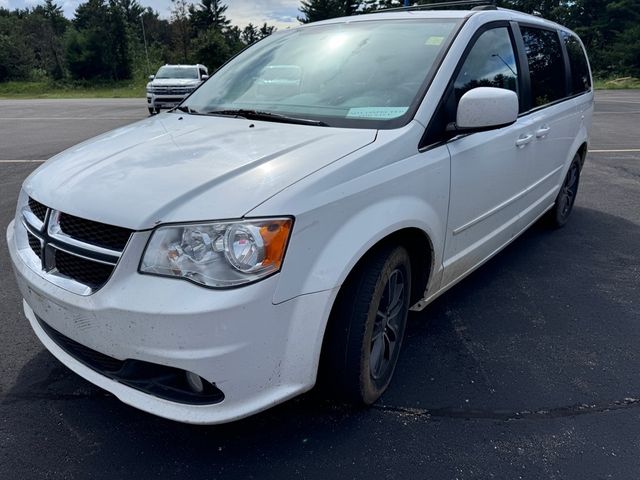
{"points": [[151, 77], [485, 108], [205, 77]]}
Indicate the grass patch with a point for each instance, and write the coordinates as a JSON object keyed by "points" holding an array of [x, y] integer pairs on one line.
{"points": [[126, 89], [136, 89], [622, 83]]}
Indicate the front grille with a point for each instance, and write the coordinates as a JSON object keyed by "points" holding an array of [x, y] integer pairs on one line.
{"points": [[87, 272], [172, 90], [169, 100], [98, 234], [35, 245], [73, 248], [37, 209]]}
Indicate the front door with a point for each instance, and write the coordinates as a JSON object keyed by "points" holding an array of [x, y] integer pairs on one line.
{"points": [[488, 169]]}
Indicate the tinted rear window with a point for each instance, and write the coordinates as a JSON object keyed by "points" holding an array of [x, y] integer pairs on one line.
{"points": [[580, 78], [546, 65]]}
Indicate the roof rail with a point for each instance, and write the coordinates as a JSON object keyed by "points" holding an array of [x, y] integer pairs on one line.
{"points": [[441, 5]]}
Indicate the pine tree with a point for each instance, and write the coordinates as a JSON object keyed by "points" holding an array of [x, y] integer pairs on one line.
{"points": [[181, 29], [209, 13], [316, 10], [250, 34]]}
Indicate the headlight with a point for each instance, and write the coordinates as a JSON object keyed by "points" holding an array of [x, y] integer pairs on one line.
{"points": [[220, 254]]}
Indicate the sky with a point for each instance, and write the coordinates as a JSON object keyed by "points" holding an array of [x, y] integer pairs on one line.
{"points": [[281, 13]]}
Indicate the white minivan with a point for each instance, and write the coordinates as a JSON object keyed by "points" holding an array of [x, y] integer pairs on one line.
{"points": [[277, 227]]}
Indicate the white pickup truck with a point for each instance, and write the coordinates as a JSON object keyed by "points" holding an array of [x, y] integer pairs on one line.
{"points": [[172, 84]]}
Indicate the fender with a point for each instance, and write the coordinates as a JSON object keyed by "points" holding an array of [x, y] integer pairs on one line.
{"points": [[356, 202], [335, 256]]}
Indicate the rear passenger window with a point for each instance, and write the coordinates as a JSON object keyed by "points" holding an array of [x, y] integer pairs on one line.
{"points": [[490, 63], [580, 78], [546, 66]]}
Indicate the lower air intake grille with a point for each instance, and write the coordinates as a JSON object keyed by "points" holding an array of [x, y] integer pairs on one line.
{"points": [[89, 357], [161, 381]]}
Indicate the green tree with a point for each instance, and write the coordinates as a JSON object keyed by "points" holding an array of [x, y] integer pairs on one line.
{"points": [[98, 45], [209, 14], [211, 48], [250, 34], [266, 30], [373, 5], [16, 59], [42, 29], [181, 29], [316, 10]]}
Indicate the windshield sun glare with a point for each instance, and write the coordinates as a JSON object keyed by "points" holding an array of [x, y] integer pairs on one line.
{"points": [[359, 74]]}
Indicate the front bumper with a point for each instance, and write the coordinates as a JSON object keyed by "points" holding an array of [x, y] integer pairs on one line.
{"points": [[257, 353]]}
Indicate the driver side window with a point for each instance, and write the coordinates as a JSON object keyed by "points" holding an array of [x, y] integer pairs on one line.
{"points": [[490, 63]]}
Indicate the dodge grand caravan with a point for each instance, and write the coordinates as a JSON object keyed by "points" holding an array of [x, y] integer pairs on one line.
{"points": [[212, 261]]}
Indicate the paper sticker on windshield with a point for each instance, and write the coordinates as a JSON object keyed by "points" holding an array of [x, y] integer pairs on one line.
{"points": [[382, 113], [435, 41]]}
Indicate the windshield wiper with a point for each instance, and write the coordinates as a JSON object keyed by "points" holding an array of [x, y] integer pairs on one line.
{"points": [[267, 116]]}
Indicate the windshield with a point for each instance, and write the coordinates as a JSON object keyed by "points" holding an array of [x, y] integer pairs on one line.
{"points": [[360, 74], [177, 72]]}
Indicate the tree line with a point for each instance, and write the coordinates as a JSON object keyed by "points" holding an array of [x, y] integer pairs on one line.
{"points": [[111, 40]]}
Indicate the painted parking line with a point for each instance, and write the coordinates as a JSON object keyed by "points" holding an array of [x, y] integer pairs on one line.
{"points": [[616, 113], [608, 100], [623, 150], [22, 161]]}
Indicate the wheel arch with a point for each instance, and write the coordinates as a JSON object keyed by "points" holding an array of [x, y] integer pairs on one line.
{"points": [[419, 245], [421, 252], [582, 151]]}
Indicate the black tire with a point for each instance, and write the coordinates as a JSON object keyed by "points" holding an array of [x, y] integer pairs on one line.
{"points": [[151, 111], [364, 336], [559, 215]]}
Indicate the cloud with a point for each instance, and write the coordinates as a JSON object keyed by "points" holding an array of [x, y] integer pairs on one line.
{"points": [[281, 13]]}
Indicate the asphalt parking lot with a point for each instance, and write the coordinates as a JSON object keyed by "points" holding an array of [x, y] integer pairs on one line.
{"points": [[530, 368]]}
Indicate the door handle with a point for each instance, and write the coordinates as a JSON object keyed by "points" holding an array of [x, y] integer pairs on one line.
{"points": [[542, 132], [523, 140]]}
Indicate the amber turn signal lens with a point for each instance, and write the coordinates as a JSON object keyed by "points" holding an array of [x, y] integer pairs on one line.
{"points": [[275, 236]]}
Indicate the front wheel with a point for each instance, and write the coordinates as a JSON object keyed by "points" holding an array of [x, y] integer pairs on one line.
{"points": [[367, 325], [558, 216]]}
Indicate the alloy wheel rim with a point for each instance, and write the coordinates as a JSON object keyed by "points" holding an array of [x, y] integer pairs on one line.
{"points": [[569, 190], [385, 339]]}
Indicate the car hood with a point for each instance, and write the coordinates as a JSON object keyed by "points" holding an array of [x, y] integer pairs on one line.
{"points": [[180, 168]]}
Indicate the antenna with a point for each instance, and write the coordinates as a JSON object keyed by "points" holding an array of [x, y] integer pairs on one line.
{"points": [[146, 50]]}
